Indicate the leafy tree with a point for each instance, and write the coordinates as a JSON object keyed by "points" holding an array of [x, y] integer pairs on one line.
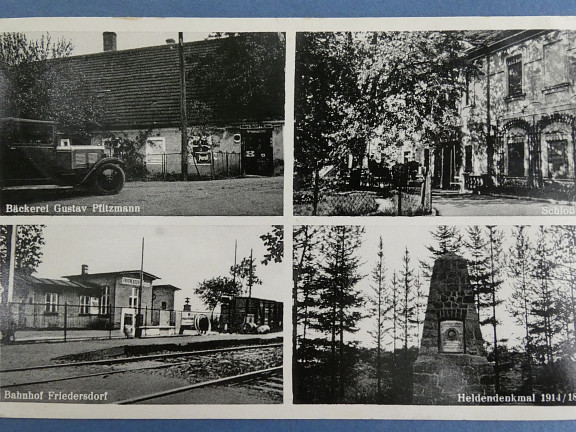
{"points": [[388, 87], [211, 291], [28, 254], [274, 242], [245, 74], [246, 271], [43, 84]]}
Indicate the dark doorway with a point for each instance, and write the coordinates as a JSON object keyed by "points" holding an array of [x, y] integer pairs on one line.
{"points": [[447, 164], [257, 154]]}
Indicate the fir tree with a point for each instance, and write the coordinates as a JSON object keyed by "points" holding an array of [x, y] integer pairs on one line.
{"points": [[339, 301], [495, 260], [543, 327], [478, 270], [379, 309], [519, 262], [448, 239]]}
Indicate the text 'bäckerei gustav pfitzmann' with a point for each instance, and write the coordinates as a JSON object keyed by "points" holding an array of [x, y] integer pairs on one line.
{"points": [[517, 399], [70, 208], [56, 396]]}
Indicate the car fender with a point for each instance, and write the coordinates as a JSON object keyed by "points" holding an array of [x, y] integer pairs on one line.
{"points": [[112, 160]]}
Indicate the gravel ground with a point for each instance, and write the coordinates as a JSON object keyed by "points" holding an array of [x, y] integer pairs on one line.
{"points": [[250, 196], [127, 385]]}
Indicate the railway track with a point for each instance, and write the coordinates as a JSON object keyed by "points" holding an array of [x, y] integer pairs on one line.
{"points": [[201, 369], [263, 380]]}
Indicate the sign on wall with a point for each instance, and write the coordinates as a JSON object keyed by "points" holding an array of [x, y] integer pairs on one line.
{"points": [[134, 282]]}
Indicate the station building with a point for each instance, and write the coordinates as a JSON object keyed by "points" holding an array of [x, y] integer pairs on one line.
{"points": [[87, 300]]}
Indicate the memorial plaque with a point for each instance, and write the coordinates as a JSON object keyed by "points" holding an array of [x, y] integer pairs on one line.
{"points": [[451, 336]]}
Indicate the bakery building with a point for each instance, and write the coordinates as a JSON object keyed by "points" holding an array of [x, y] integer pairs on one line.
{"points": [[140, 92]]}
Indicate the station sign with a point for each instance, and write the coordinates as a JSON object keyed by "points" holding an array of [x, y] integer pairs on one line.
{"points": [[134, 282]]}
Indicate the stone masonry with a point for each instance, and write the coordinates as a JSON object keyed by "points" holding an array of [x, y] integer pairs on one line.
{"points": [[452, 358]]}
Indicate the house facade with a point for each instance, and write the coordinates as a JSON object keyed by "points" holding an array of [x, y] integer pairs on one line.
{"points": [[140, 92], [86, 300], [518, 113]]}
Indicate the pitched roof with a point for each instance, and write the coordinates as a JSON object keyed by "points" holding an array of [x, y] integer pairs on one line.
{"points": [[140, 88], [52, 283], [485, 41], [88, 276]]}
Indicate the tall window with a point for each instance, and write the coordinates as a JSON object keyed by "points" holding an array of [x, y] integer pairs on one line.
{"points": [[105, 301], [468, 158], [84, 304], [554, 64], [516, 157], [557, 159], [514, 66], [133, 300], [51, 302]]}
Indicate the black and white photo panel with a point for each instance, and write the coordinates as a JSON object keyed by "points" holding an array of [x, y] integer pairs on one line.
{"points": [[435, 315], [140, 123], [160, 315], [449, 123]]}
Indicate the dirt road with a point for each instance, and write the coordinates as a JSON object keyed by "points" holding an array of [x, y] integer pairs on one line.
{"points": [[253, 196]]}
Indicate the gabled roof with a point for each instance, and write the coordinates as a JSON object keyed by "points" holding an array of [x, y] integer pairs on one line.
{"points": [[140, 88], [89, 276], [53, 283]]}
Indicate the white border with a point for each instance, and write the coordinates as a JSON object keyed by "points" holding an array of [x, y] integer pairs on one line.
{"points": [[287, 410]]}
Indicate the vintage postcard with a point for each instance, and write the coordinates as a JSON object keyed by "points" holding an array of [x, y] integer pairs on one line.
{"points": [[262, 283]]}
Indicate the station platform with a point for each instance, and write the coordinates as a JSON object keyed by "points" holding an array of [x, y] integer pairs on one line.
{"points": [[20, 355]]}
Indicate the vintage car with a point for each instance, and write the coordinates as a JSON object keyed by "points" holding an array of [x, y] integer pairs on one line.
{"points": [[33, 152]]}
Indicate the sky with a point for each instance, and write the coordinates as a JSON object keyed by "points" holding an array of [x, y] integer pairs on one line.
{"points": [[416, 238], [90, 42], [180, 255]]}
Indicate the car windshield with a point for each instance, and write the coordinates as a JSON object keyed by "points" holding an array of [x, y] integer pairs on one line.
{"points": [[26, 132]]}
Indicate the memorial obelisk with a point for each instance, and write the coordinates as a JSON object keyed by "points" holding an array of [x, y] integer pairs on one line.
{"points": [[452, 361]]}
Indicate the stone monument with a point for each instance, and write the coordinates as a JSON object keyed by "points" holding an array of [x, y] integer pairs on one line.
{"points": [[452, 360]]}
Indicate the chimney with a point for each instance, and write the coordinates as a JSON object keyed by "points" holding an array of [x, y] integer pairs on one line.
{"points": [[109, 39], [170, 41], [84, 269]]}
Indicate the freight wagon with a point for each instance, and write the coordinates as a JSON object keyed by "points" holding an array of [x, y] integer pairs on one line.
{"points": [[245, 314]]}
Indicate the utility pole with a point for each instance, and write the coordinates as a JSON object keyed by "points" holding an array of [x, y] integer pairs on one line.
{"points": [[183, 116], [234, 271], [139, 320], [250, 281], [13, 230]]}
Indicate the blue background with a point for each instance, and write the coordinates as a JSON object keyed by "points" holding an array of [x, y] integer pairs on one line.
{"points": [[286, 8]]}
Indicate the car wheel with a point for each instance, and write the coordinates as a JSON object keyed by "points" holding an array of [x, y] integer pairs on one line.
{"points": [[108, 179]]}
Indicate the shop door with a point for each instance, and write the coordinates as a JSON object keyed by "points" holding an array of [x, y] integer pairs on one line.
{"points": [[257, 156]]}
